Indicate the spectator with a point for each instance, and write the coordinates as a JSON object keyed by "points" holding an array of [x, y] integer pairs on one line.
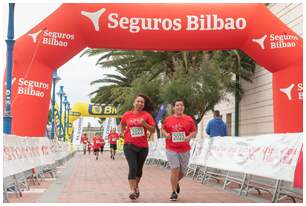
{"points": [[216, 126]]}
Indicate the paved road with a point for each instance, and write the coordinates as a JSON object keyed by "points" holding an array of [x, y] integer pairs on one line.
{"points": [[85, 179]]}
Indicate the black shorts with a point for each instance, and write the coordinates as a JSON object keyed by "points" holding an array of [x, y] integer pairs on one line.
{"points": [[96, 150], [113, 146]]}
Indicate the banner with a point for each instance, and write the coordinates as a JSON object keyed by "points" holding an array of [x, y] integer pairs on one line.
{"points": [[24, 153], [108, 124], [298, 174], [274, 156], [77, 133], [91, 110]]}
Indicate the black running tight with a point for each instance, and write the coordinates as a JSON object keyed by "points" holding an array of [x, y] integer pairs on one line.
{"points": [[136, 158]]}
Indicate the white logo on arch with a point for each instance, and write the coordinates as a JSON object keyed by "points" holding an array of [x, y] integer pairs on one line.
{"points": [[35, 35], [260, 41], [287, 91], [94, 17]]}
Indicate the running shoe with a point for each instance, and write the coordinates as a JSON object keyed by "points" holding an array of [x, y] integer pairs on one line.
{"points": [[132, 196], [178, 189], [173, 196]]}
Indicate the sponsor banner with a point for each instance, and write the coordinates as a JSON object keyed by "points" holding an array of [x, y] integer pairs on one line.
{"points": [[298, 174], [101, 109], [268, 155], [77, 133], [196, 150], [24, 153], [108, 124], [273, 156], [152, 150]]}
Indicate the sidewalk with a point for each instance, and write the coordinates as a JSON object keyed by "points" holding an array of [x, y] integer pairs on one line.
{"points": [[85, 179]]}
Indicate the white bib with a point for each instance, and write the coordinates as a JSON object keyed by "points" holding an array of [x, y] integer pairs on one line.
{"points": [[137, 131], [178, 136]]}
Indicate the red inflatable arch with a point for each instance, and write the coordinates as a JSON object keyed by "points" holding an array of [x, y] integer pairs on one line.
{"points": [[72, 27]]}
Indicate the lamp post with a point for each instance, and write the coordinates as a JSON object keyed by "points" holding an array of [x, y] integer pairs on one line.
{"points": [[68, 111], [55, 78], [65, 107], [61, 93], [7, 119]]}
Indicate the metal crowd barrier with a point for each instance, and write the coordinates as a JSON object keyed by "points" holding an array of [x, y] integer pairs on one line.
{"points": [[235, 177], [286, 189], [277, 188], [20, 182]]}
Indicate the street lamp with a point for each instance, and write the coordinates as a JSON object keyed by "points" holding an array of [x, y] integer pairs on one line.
{"points": [[55, 78], [65, 107], [7, 119], [68, 111], [61, 93]]}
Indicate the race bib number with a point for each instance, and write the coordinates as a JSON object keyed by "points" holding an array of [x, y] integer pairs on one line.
{"points": [[178, 136], [137, 131]]}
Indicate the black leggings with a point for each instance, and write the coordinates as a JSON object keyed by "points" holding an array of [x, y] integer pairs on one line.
{"points": [[135, 157]]}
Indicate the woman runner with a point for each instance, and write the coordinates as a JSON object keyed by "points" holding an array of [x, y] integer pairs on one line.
{"points": [[136, 123]]}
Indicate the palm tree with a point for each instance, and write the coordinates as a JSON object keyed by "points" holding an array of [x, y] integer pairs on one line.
{"points": [[164, 66]]}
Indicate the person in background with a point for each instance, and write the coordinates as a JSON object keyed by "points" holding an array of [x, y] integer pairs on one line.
{"points": [[113, 137], [216, 126], [89, 146], [96, 146], [102, 143], [178, 129], [84, 141]]}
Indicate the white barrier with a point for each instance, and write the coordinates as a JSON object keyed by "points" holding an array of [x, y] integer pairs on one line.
{"points": [[273, 156], [24, 153]]}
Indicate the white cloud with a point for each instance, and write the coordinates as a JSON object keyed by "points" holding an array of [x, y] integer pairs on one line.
{"points": [[76, 76]]}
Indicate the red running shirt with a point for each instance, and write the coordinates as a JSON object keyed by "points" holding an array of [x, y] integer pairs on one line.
{"points": [[97, 142], [135, 133], [113, 138], [84, 140], [178, 128]]}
